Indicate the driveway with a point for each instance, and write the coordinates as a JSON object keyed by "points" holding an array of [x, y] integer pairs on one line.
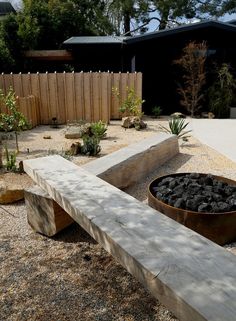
{"points": [[219, 134]]}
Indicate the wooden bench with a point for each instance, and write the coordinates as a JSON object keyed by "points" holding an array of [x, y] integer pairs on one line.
{"points": [[192, 276], [121, 169]]}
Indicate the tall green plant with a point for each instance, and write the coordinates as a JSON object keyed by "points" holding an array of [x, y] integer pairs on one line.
{"points": [[11, 119], [221, 93], [131, 104]]}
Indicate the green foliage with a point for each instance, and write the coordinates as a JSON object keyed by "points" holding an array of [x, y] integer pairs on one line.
{"points": [[90, 145], [177, 127], [62, 153], [11, 119], [156, 111], [10, 160], [221, 93], [131, 105], [192, 63], [99, 129]]}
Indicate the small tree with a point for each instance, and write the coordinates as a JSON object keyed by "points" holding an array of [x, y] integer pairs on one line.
{"points": [[11, 119], [221, 93], [192, 63]]}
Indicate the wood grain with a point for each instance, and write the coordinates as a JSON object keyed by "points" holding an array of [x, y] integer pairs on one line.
{"points": [[193, 277]]}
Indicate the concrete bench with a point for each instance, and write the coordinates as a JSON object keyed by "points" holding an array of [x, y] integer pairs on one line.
{"points": [[192, 276], [121, 169]]}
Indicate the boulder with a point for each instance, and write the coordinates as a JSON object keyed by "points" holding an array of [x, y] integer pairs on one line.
{"points": [[126, 122], [10, 193], [177, 115], [75, 132]]}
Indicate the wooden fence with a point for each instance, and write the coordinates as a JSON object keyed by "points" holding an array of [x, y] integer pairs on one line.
{"points": [[70, 96]]}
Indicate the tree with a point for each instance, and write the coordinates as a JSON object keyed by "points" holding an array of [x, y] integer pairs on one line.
{"points": [[192, 63], [46, 24], [11, 119], [125, 13]]}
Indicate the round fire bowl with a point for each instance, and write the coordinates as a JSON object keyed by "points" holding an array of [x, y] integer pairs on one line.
{"points": [[218, 227]]}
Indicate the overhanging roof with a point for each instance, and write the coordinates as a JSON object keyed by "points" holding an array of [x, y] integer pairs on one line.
{"points": [[6, 8], [152, 35], [182, 29], [94, 40]]}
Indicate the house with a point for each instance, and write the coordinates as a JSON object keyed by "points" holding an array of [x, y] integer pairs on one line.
{"points": [[153, 55], [5, 9]]}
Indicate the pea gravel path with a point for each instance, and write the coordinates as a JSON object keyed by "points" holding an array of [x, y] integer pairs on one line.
{"points": [[69, 276]]}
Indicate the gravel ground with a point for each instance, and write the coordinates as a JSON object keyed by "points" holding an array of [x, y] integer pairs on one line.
{"points": [[69, 276]]}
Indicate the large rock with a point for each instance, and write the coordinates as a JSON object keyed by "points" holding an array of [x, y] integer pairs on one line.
{"points": [[10, 193], [75, 132]]}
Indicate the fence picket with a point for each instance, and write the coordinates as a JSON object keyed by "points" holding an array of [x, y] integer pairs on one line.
{"points": [[70, 96]]}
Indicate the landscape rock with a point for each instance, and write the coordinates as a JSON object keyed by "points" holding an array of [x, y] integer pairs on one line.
{"points": [[10, 193], [75, 132], [133, 121], [198, 193], [126, 122], [177, 115]]}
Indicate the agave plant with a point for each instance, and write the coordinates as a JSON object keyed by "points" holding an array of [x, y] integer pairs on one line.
{"points": [[177, 127]]}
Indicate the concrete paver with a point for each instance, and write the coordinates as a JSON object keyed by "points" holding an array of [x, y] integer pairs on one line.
{"points": [[219, 134]]}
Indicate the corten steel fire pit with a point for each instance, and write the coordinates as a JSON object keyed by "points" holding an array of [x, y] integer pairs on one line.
{"points": [[218, 227]]}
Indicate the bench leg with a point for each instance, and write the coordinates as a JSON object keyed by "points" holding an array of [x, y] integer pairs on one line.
{"points": [[44, 214]]}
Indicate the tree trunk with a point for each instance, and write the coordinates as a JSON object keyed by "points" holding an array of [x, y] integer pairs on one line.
{"points": [[0, 153], [164, 19], [127, 23]]}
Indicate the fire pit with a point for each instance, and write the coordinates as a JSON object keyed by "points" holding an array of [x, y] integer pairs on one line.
{"points": [[201, 202]]}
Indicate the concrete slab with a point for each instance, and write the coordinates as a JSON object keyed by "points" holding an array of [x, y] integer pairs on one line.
{"points": [[219, 134]]}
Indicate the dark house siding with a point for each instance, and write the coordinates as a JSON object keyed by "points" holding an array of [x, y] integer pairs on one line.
{"points": [[153, 55]]}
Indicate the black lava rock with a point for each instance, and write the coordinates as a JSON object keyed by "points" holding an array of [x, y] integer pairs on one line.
{"points": [[196, 192]]}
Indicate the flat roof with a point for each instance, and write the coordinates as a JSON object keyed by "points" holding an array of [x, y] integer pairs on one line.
{"points": [[228, 26], [94, 40]]}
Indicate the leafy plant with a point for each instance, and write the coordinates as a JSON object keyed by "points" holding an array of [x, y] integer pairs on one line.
{"points": [[90, 145], [177, 127], [192, 63], [11, 119], [99, 129], [62, 153], [156, 111], [10, 160], [131, 105], [221, 93]]}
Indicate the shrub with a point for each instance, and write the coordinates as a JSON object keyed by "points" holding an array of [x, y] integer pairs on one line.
{"points": [[10, 160], [130, 105], [99, 129], [156, 111], [90, 145], [177, 127], [12, 119], [221, 93]]}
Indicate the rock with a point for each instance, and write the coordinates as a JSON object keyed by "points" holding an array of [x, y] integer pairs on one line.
{"points": [[138, 123], [47, 137], [204, 207], [75, 148], [179, 203], [191, 205], [75, 132], [126, 122], [10, 193], [195, 192], [177, 115]]}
